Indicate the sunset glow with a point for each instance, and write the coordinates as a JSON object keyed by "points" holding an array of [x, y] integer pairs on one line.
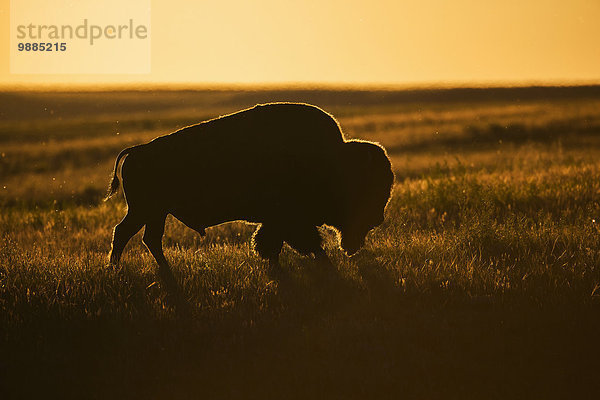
{"points": [[358, 42]]}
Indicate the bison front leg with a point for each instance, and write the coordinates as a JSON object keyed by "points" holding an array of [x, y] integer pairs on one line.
{"points": [[267, 241], [153, 234], [307, 241]]}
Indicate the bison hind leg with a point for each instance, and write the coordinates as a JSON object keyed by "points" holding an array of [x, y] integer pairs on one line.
{"points": [[123, 232], [267, 241], [155, 228]]}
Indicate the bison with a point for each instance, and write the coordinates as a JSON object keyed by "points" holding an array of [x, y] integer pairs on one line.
{"points": [[285, 166]]}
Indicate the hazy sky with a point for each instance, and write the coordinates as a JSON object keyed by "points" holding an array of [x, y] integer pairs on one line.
{"points": [[367, 41]]}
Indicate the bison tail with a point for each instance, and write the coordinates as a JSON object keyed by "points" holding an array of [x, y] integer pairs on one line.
{"points": [[113, 187]]}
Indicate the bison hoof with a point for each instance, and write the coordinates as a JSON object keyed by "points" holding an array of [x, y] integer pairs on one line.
{"points": [[275, 267], [322, 259], [113, 263], [179, 303]]}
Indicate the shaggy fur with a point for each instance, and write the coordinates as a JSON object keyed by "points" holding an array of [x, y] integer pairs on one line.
{"points": [[283, 165]]}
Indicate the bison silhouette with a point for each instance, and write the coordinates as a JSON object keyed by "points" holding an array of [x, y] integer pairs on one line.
{"points": [[285, 166]]}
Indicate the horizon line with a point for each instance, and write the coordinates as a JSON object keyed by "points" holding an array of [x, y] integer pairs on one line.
{"points": [[292, 85]]}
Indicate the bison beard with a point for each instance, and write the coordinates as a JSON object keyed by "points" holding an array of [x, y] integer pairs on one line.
{"points": [[283, 165]]}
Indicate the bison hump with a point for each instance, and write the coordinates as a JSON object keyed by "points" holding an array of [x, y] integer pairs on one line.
{"points": [[297, 122], [273, 124]]}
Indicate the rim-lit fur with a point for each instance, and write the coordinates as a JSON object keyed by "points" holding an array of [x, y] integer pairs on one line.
{"points": [[286, 166]]}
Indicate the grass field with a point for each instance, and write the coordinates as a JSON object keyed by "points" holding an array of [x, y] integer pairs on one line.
{"points": [[483, 281]]}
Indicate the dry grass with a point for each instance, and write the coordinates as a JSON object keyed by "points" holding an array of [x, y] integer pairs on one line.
{"points": [[483, 282]]}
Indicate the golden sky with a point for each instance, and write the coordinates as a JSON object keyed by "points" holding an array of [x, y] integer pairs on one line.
{"points": [[407, 42]]}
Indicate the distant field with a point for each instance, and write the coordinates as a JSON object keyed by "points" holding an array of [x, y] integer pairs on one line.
{"points": [[483, 282]]}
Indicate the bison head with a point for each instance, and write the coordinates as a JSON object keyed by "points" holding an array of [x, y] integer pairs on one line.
{"points": [[368, 180]]}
